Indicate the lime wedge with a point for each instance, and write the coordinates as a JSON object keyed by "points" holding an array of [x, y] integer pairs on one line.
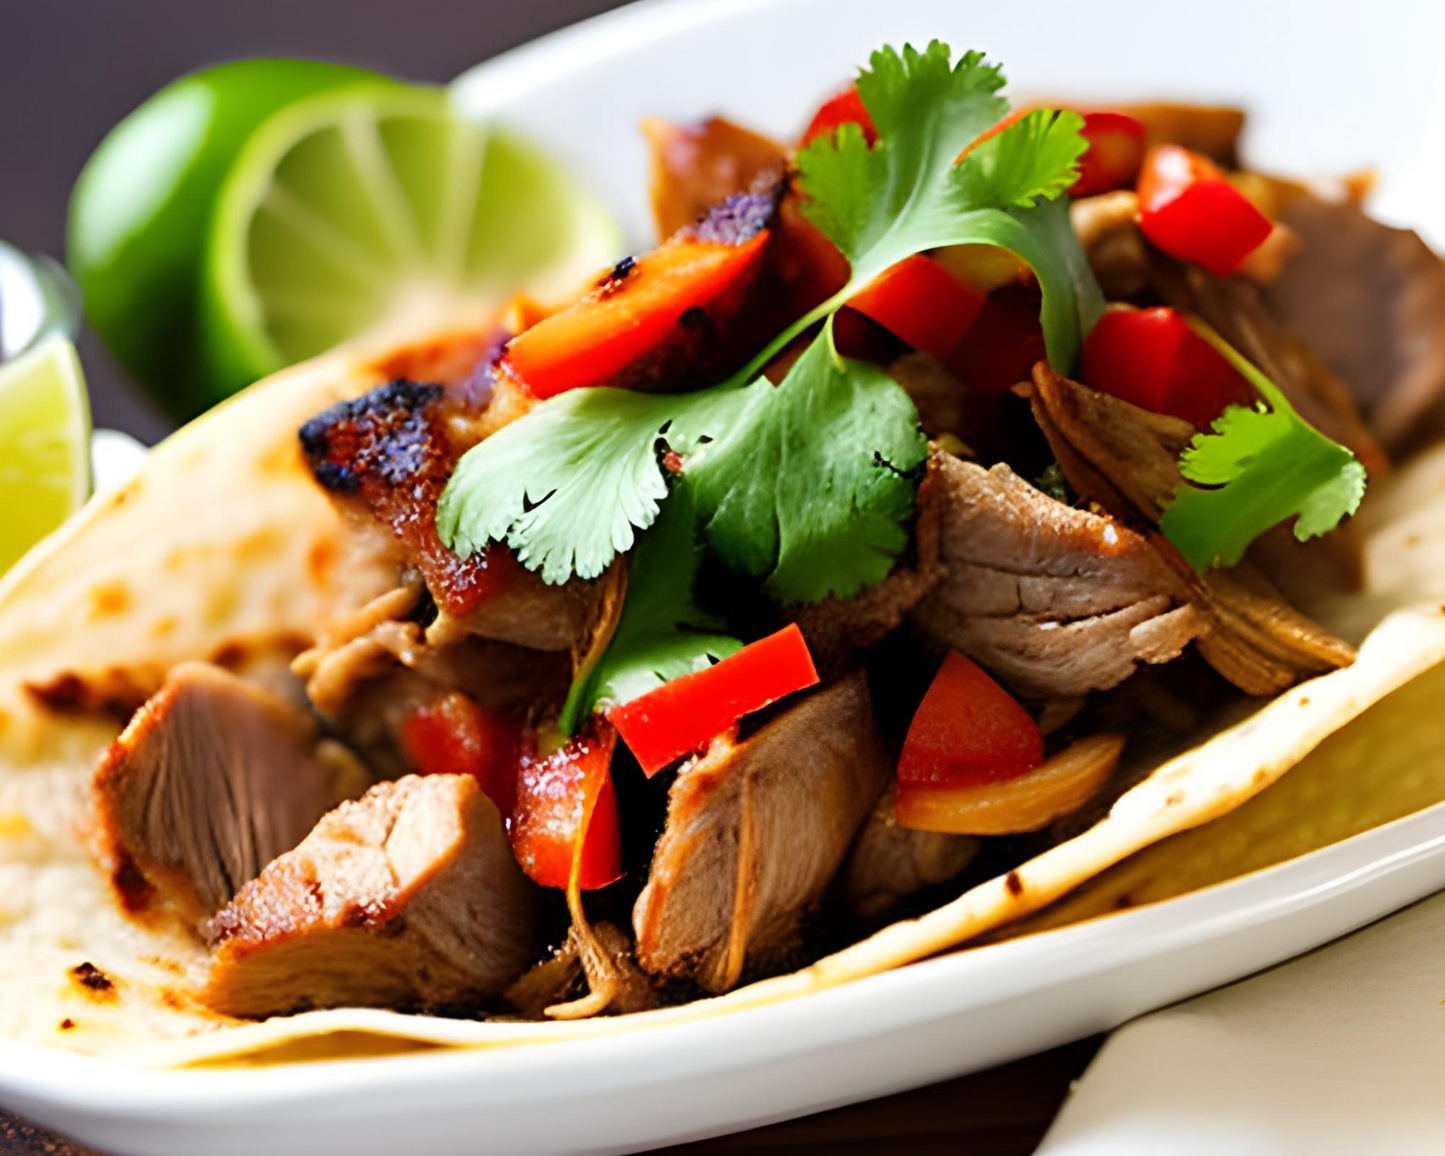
{"points": [[141, 207], [352, 209], [44, 445]]}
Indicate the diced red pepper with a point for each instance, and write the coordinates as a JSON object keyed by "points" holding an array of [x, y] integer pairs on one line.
{"points": [[456, 736], [921, 303], [1002, 346], [1114, 155], [968, 730], [681, 716], [1188, 209], [1152, 359], [566, 815], [630, 313], [845, 108]]}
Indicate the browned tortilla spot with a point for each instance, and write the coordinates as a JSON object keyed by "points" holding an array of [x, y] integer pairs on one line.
{"points": [[109, 598], [114, 691], [319, 560], [1014, 884], [90, 977]]}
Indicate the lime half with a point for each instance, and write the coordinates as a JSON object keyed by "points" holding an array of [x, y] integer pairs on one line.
{"points": [[140, 210], [349, 210], [44, 445]]}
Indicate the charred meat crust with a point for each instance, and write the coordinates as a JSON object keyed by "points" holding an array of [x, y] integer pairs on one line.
{"points": [[737, 218], [387, 457], [385, 432]]}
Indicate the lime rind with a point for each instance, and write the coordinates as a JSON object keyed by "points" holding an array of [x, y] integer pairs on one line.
{"points": [[346, 210], [140, 209], [44, 444]]}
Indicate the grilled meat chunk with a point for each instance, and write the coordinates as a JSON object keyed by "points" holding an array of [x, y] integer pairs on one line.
{"points": [[386, 457], [1054, 601], [213, 778], [1107, 226], [840, 631], [889, 863], [1210, 129], [409, 896], [1370, 301], [1126, 460], [697, 165], [372, 671], [755, 831]]}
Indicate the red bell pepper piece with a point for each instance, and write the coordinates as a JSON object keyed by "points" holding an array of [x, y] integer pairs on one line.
{"points": [[1188, 209], [967, 730], [566, 815], [681, 716], [629, 314], [845, 108], [456, 736], [922, 303], [1003, 344], [1152, 359], [1114, 155]]}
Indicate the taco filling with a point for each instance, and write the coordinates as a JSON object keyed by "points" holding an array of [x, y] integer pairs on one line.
{"points": [[932, 482]]}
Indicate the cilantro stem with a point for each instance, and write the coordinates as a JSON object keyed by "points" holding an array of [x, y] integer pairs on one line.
{"points": [[1246, 368], [820, 312]]}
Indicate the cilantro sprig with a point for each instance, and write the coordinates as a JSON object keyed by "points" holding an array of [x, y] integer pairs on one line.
{"points": [[662, 633], [1261, 466], [806, 486]]}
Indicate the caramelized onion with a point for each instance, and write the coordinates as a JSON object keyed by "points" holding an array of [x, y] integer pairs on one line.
{"points": [[1059, 785]]}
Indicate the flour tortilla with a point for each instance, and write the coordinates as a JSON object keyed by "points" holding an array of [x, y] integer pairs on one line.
{"points": [[224, 543]]}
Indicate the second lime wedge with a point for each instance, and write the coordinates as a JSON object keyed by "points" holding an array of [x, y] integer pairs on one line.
{"points": [[348, 210], [44, 445]]}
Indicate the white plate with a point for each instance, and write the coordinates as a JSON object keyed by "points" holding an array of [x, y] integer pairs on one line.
{"points": [[1335, 86], [927, 1022]]}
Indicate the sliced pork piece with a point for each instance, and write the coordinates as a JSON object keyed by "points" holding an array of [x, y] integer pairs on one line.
{"points": [[213, 778], [370, 674], [1126, 460], [838, 631], [695, 166], [755, 831], [385, 458], [889, 863], [1370, 301], [1107, 226], [409, 896], [1054, 601], [1204, 128]]}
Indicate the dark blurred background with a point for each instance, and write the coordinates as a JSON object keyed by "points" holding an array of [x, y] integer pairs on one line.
{"points": [[70, 69]]}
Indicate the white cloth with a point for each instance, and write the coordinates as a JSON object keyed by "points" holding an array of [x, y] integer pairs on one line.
{"points": [[1340, 1051]]}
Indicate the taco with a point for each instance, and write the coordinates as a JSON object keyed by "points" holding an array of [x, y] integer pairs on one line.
{"points": [[945, 510]]}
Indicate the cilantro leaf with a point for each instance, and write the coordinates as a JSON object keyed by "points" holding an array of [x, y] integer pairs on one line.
{"points": [[1262, 465], [909, 193], [662, 634], [540, 482], [1036, 158], [869, 200], [809, 488]]}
